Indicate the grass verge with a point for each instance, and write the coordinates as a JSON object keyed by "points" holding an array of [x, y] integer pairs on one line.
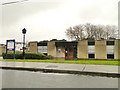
{"points": [[95, 62]]}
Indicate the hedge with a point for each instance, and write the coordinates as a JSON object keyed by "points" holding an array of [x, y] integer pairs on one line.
{"points": [[28, 55]]}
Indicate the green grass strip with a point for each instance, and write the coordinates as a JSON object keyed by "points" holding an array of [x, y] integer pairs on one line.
{"points": [[94, 62]]}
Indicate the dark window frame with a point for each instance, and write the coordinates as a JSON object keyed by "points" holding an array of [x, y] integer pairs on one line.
{"points": [[42, 44], [91, 57], [110, 42], [91, 43], [110, 56]]}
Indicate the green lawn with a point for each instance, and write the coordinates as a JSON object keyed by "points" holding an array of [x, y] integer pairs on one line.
{"points": [[96, 62]]}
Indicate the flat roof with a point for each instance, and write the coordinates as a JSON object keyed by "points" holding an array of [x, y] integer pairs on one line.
{"points": [[63, 43], [42, 44]]}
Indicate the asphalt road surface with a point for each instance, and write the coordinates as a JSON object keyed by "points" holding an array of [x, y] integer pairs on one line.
{"points": [[28, 79]]}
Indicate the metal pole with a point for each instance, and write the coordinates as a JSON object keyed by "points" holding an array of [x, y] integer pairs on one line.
{"points": [[23, 46], [6, 49], [14, 49]]}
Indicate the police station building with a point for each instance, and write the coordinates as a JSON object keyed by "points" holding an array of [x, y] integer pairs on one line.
{"points": [[84, 49]]}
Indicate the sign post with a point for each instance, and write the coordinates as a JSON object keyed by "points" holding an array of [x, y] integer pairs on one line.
{"points": [[24, 32], [10, 45]]}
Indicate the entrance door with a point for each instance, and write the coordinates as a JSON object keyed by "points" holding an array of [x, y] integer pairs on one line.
{"points": [[69, 52]]}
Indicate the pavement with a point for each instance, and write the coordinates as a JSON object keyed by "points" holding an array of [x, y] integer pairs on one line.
{"points": [[97, 70]]}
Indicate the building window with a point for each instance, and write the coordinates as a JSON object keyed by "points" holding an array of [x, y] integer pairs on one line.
{"points": [[110, 56], [42, 49], [91, 43], [70, 50], [110, 49], [75, 52], [110, 42], [70, 55], [91, 56], [91, 49]]}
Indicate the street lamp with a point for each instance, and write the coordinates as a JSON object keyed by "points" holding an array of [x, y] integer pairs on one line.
{"points": [[24, 32]]}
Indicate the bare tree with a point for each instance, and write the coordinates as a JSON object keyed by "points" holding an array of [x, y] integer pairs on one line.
{"points": [[69, 33], [90, 31], [110, 31], [75, 33], [99, 32]]}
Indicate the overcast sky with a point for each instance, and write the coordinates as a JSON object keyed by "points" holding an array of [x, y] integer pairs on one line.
{"points": [[49, 19]]}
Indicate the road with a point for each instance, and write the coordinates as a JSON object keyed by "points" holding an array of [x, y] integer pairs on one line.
{"points": [[28, 79]]}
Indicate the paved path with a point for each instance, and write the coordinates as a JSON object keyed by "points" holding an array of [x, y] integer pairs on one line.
{"points": [[108, 69]]}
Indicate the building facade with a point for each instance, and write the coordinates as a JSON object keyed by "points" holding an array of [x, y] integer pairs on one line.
{"points": [[84, 49]]}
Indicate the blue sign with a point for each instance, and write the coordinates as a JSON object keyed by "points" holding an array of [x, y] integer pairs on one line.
{"points": [[59, 50], [10, 45]]}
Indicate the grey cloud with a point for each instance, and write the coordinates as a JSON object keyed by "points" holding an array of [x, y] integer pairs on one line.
{"points": [[15, 13]]}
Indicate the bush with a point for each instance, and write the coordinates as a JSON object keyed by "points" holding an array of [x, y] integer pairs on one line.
{"points": [[28, 55], [50, 57]]}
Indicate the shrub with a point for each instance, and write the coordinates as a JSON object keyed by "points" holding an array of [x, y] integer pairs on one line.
{"points": [[28, 55], [50, 57]]}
